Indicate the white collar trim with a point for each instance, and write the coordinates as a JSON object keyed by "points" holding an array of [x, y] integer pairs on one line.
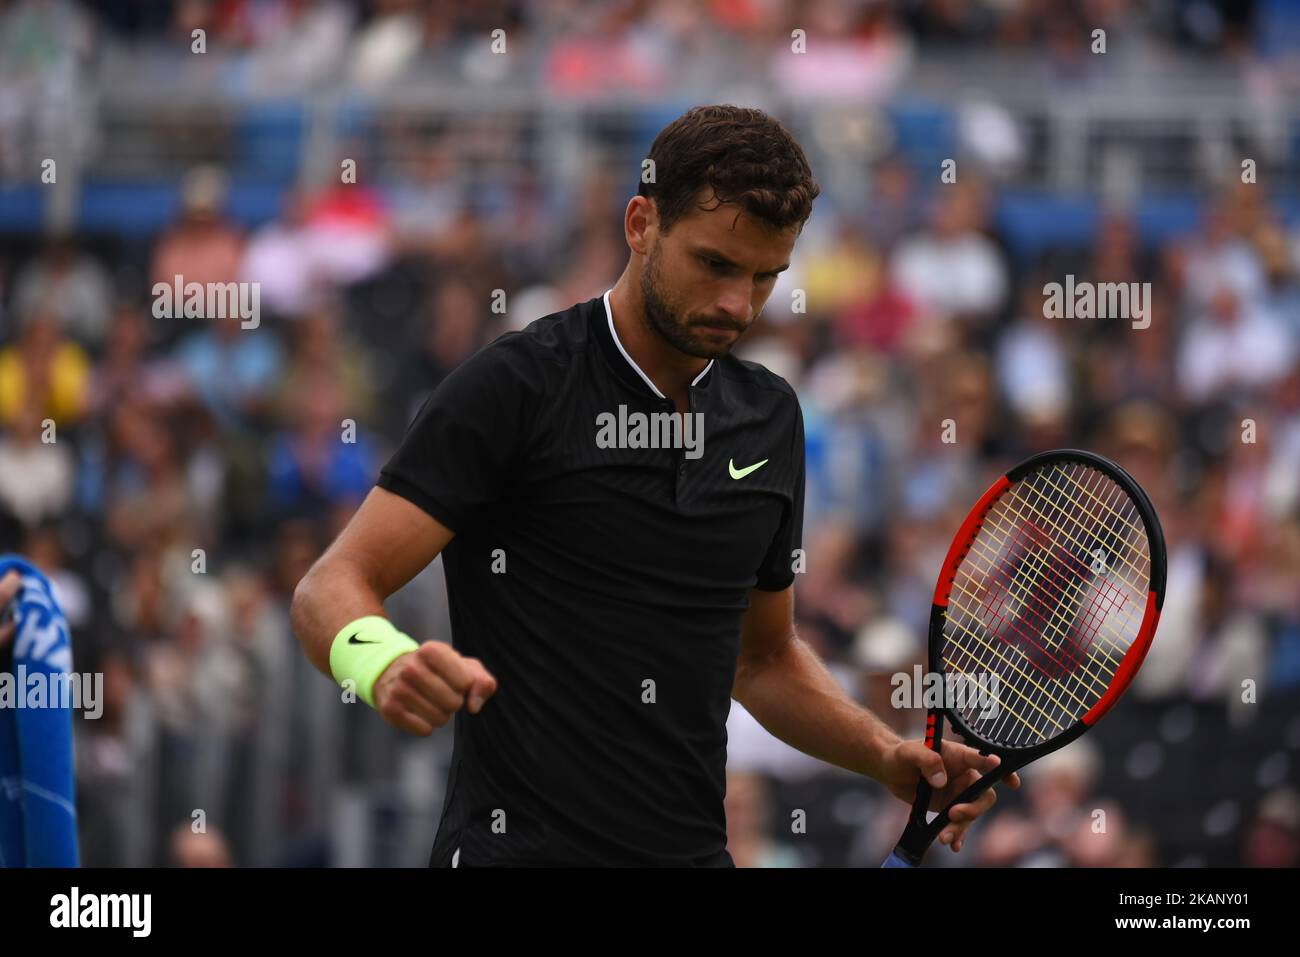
{"points": [[609, 315]]}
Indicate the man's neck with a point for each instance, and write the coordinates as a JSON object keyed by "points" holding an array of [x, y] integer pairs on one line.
{"points": [[670, 370]]}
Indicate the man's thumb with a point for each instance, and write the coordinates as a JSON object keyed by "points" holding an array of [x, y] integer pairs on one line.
{"points": [[484, 687], [930, 764]]}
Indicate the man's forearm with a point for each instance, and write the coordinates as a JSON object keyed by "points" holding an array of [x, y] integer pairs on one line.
{"points": [[329, 596], [794, 697]]}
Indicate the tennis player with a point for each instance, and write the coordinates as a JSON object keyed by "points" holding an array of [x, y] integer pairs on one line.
{"points": [[614, 584]]}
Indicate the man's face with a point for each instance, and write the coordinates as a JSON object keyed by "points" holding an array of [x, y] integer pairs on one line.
{"points": [[706, 282]]}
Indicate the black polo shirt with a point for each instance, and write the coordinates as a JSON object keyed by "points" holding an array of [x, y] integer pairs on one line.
{"points": [[603, 587]]}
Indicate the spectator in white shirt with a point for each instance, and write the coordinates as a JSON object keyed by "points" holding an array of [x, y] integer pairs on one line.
{"points": [[952, 266], [1235, 344]]}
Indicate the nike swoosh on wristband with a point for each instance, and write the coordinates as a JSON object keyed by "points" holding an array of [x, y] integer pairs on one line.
{"points": [[741, 473], [352, 640]]}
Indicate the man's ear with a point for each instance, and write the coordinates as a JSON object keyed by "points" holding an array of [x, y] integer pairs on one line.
{"points": [[639, 220]]}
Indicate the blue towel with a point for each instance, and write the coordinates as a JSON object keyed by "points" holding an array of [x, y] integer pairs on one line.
{"points": [[38, 813]]}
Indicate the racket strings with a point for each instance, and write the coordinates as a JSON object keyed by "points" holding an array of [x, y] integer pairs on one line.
{"points": [[1028, 690], [1107, 589], [1025, 697], [1035, 694], [1033, 573], [1129, 524], [1032, 570], [1022, 577], [1070, 604], [1021, 581], [1140, 532], [1082, 677], [1029, 509], [1064, 606], [1068, 610], [1068, 691]]}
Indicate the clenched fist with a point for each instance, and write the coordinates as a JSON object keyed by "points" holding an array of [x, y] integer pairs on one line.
{"points": [[422, 689]]}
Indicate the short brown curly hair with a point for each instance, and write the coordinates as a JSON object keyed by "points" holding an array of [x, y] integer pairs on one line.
{"points": [[743, 155]]}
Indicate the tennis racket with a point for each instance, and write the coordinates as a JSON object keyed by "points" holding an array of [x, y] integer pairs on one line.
{"points": [[1046, 605]]}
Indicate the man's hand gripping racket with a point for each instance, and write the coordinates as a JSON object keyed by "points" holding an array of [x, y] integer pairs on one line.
{"points": [[1044, 609]]}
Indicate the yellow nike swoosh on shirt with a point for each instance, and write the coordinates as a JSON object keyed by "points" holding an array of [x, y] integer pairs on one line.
{"points": [[741, 473]]}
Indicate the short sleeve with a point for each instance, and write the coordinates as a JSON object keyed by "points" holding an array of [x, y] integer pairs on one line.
{"points": [[465, 443], [777, 571]]}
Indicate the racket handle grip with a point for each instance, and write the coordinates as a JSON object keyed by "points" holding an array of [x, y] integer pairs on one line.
{"points": [[915, 839], [924, 793], [918, 833]]}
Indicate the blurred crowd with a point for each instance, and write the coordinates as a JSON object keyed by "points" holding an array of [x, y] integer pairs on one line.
{"points": [[176, 477], [576, 47], [366, 32]]}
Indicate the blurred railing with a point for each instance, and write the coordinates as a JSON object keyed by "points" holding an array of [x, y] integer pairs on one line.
{"points": [[1128, 122]]}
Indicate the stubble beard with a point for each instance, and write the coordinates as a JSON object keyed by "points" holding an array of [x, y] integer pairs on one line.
{"points": [[664, 321]]}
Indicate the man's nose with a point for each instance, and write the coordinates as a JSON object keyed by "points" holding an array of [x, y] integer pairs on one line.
{"points": [[736, 304]]}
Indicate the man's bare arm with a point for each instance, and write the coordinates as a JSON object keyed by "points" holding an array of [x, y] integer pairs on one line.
{"points": [[785, 686], [382, 548], [385, 544]]}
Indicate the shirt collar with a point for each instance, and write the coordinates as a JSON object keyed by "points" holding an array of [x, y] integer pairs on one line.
{"points": [[629, 363]]}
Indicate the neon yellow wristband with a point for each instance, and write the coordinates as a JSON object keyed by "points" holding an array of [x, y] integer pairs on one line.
{"points": [[363, 649]]}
